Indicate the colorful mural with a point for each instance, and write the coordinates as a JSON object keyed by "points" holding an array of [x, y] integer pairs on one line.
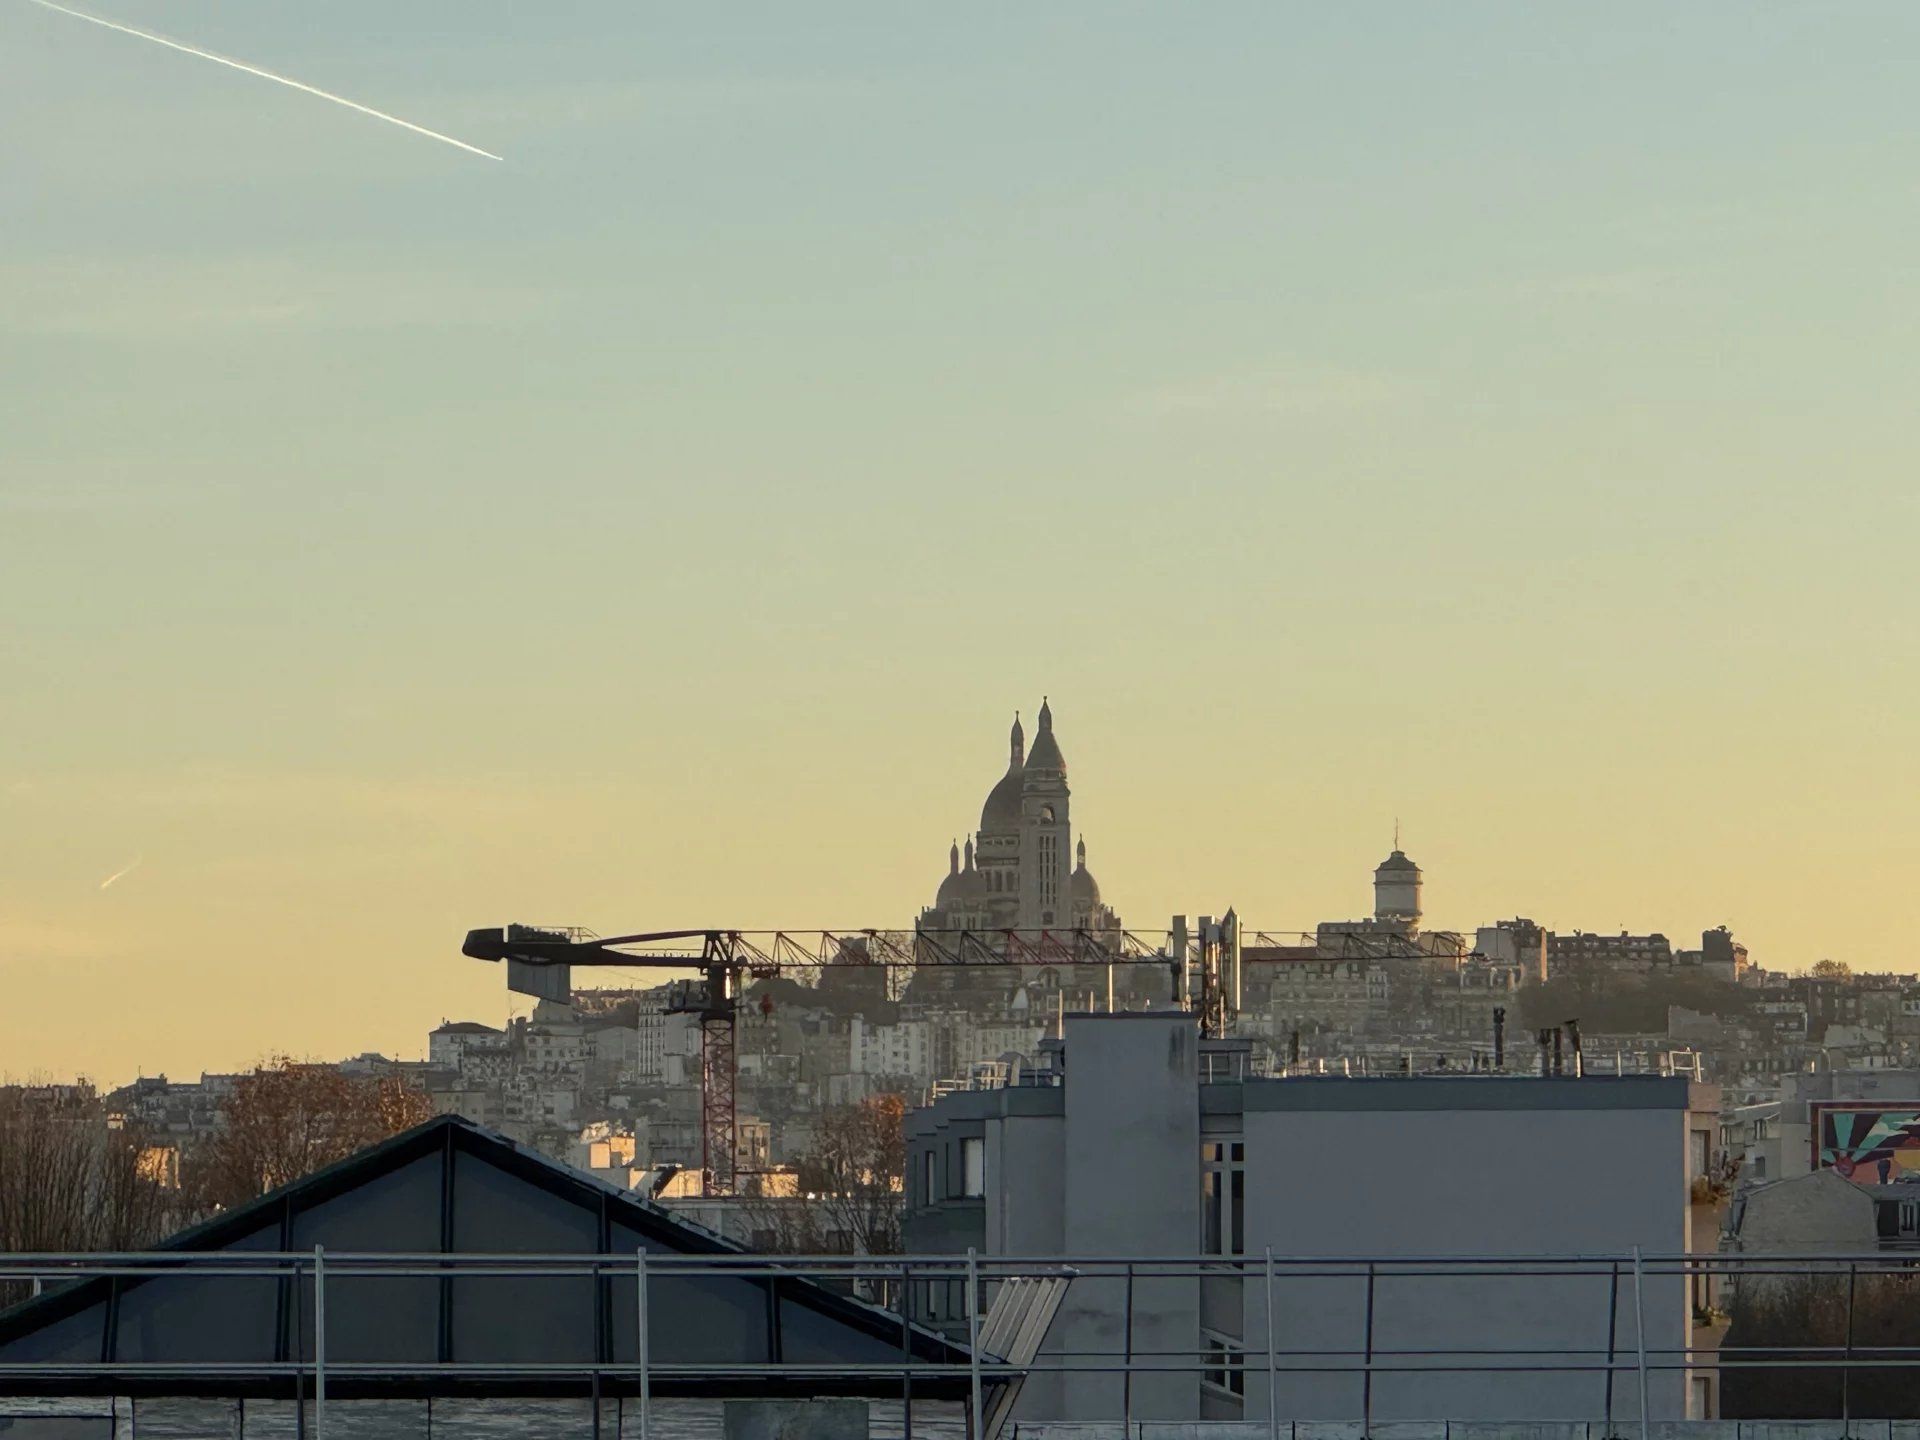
{"points": [[1874, 1143]]}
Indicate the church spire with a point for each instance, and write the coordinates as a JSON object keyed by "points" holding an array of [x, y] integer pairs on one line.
{"points": [[969, 852], [953, 857], [1045, 755], [1018, 743]]}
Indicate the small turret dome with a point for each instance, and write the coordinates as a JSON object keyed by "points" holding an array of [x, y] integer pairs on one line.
{"points": [[1085, 889], [953, 888], [973, 885]]}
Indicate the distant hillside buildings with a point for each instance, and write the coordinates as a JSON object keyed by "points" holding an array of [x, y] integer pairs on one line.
{"points": [[613, 1078]]}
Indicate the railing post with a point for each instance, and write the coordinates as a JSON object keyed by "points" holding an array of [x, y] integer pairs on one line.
{"points": [[1366, 1376], [973, 1343], [1126, 1357], [1613, 1334], [1273, 1367], [906, 1353], [640, 1347], [1846, 1366], [320, 1341], [1640, 1339]]}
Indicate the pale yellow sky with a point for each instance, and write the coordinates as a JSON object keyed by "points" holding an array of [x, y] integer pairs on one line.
{"points": [[1494, 416]]}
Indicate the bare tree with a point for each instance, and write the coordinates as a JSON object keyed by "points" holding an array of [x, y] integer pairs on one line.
{"points": [[72, 1179], [289, 1118], [849, 1184]]}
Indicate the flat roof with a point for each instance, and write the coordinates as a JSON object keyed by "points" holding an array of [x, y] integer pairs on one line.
{"points": [[1380, 1093], [1469, 1092]]}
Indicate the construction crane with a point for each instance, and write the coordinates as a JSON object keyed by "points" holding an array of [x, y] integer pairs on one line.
{"points": [[1203, 976]]}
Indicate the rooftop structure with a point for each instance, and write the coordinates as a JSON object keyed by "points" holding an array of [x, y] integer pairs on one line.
{"points": [[1146, 1140]]}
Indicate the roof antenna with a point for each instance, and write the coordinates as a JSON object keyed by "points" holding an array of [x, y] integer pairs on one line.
{"points": [[1396, 832]]}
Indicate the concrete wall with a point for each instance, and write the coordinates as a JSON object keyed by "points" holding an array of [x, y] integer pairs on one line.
{"points": [[1132, 1148], [1487, 1430], [1522, 1167], [795, 1420], [1029, 1218]]}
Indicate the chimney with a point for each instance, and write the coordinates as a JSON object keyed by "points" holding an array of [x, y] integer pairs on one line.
{"points": [[1499, 1037]]}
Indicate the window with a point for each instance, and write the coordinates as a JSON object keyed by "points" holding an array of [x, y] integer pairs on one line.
{"points": [[1226, 1364], [973, 1166], [927, 1193], [1700, 1154], [1223, 1195]]}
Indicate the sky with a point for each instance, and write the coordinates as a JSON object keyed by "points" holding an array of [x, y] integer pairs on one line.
{"points": [[1492, 417]]}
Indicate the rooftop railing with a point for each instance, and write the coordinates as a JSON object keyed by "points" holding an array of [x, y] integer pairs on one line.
{"points": [[1615, 1324]]}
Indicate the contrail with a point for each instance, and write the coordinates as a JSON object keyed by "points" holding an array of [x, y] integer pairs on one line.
{"points": [[241, 65], [123, 872]]}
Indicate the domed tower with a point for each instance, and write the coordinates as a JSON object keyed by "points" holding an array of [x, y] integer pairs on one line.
{"points": [[1045, 836], [1084, 889], [972, 893], [998, 852], [1396, 891], [950, 888]]}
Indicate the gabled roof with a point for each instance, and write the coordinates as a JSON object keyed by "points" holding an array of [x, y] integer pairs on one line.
{"points": [[452, 1187]]}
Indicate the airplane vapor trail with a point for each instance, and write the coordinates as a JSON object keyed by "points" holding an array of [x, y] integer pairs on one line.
{"points": [[242, 66], [122, 872]]}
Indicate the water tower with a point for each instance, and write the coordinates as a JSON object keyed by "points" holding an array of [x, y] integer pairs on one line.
{"points": [[1396, 890]]}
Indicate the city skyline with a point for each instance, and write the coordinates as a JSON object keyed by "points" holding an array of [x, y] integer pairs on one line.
{"points": [[474, 991], [1491, 419]]}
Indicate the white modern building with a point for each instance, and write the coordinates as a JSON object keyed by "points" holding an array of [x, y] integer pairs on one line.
{"points": [[1127, 1149]]}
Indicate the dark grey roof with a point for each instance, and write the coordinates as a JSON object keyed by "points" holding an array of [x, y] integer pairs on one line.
{"points": [[452, 1187]]}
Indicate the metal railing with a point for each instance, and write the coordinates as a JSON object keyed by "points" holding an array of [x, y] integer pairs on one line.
{"points": [[1360, 1310]]}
